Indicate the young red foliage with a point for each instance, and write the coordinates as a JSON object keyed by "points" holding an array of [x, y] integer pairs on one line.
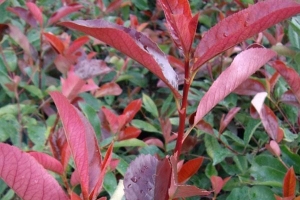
{"points": [[132, 43], [24, 14], [76, 44], [64, 11], [36, 12], [250, 87], [26, 176], [83, 144], [55, 42], [189, 169], [218, 183], [274, 148], [106, 89], [243, 65], [289, 183], [242, 25], [227, 119]]}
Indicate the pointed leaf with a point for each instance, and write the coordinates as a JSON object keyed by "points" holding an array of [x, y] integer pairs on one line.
{"points": [[290, 76], [107, 89], [250, 87], [82, 141], [48, 162], [26, 176], [184, 191], [129, 132], [217, 184], [23, 14], [86, 69], [243, 65], [289, 183], [242, 25], [77, 44], [55, 42], [36, 12], [289, 98], [150, 106], [189, 169], [132, 108], [132, 43], [112, 120], [274, 148], [64, 11], [230, 115]]}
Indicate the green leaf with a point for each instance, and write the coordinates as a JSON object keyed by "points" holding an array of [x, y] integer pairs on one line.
{"points": [[289, 136], [234, 137], [36, 132], [215, 150], [145, 126], [110, 183], [210, 170], [250, 130], [8, 128], [33, 90], [11, 59], [130, 143], [290, 158], [253, 193], [92, 116], [122, 166], [141, 4], [150, 106], [241, 163]]}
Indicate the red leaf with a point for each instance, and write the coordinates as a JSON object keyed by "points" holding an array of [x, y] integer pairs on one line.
{"points": [[250, 87], [82, 141], [132, 43], [184, 191], [189, 169], [64, 11], [290, 76], [289, 98], [267, 116], [73, 85], [217, 184], [132, 108], [77, 44], [112, 120], [205, 127], [243, 65], [230, 115], [129, 132], [23, 14], [55, 42], [74, 196], [26, 176], [182, 26], [242, 25], [48, 162], [106, 89], [113, 6], [60, 147], [154, 141], [274, 148], [289, 183], [36, 12]]}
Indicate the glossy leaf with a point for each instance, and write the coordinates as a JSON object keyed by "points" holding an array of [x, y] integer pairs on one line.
{"points": [[106, 89], [150, 106], [55, 42], [131, 110], [274, 148], [253, 193], [290, 76], [141, 180], [76, 44], [82, 141], [267, 116], [48, 162], [182, 26], [250, 87], [64, 11], [242, 25], [112, 120], [230, 115], [26, 176], [36, 12], [129, 132], [184, 191], [132, 43], [244, 65], [189, 169], [217, 184], [289, 183]]}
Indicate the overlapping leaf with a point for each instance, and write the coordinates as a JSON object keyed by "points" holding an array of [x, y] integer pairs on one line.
{"points": [[189, 169], [64, 11], [48, 162], [242, 25], [244, 65], [132, 43], [26, 176], [36, 12], [83, 144]]}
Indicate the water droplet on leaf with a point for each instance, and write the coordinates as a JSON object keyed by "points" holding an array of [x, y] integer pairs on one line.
{"points": [[134, 179], [129, 186]]}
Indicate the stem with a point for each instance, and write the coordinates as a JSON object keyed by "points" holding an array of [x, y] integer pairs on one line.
{"points": [[182, 110]]}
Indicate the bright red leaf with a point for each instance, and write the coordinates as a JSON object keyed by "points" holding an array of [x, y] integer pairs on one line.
{"points": [[132, 43], [129, 132], [274, 148], [217, 184], [132, 108], [48, 162], [184, 191], [76, 44], [110, 88], [189, 169], [36, 12], [243, 65], [64, 11], [230, 115], [290, 76], [26, 176], [82, 141], [113, 6], [289, 183], [112, 120], [55, 42], [242, 25], [180, 22]]}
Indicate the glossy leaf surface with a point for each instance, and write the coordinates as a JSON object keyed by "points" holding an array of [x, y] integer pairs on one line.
{"points": [[132, 43], [244, 65], [242, 25], [64, 11], [48, 162], [26, 176], [289, 183], [189, 169]]}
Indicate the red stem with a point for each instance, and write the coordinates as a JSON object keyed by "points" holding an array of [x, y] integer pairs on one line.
{"points": [[182, 111]]}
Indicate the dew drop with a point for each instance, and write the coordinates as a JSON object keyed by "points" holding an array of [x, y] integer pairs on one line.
{"points": [[225, 34], [129, 186], [134, 179]]}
